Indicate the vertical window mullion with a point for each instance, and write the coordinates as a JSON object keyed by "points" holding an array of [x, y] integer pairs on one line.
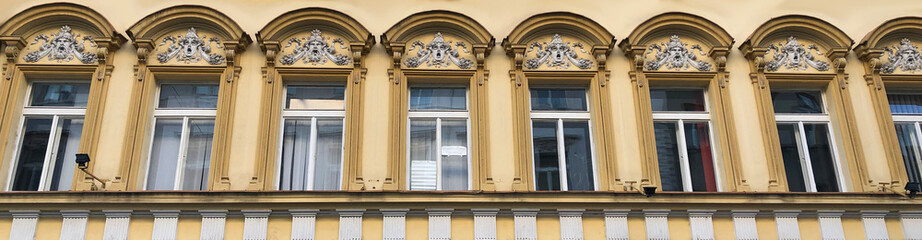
{"points": [[806, 161], [683, 157], [312, 156], [49, 153], [181, 161], [561, 156], [438, 154]]}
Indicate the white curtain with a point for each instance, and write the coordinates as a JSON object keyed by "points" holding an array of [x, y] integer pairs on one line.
{"points": [[423, 171], [295, 153], [164, 154], [328, 154]]}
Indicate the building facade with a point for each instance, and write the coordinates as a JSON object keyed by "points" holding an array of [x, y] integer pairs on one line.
{"points": [[460, 120]]}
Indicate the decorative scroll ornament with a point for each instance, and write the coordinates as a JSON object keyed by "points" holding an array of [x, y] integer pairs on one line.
{"points": [[62, 47], [557, 54], [439, 53], [190, 48], [793, 55], [315, 50], [676, 55], [905, 56]]}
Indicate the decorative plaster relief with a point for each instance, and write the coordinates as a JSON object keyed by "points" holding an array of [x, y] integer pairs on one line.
{"points": [[191, 48], [62, 47], [439, 53], [315, 50], [796, 56], [904, 56], [676, 55], [557, 54]]}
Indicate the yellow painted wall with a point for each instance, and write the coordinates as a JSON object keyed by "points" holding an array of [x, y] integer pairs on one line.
{"points": [[739, 18]]}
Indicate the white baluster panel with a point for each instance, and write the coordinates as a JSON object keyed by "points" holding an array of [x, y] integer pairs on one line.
{"points": [[657, 223], [526, 225], [303, 223], [484, 224], [255, 224], [616, 224]]}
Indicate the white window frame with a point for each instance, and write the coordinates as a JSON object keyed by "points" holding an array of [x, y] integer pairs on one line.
{"points": [[799, 119], [54, 136], [560, 116], [916, 121], [186, 115], [439, 115], [313, 115], [679, 118]]}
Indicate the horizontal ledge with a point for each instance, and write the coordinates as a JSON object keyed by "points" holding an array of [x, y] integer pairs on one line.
{"points": [[459, 200]]}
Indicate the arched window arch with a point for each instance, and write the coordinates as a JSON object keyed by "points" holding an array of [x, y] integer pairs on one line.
{"points": [[798, 74], [56, 75], [891, 57], [559, 56], [321, 51], [438, 143], [179, 129], [680, 58]]}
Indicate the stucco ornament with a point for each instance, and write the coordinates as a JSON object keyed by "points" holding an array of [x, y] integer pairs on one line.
{"points": [[439, 53], [557, 54], [315, 50], [190, 48], [63, 46], [793, 55], [677, 55], [904, 56]]}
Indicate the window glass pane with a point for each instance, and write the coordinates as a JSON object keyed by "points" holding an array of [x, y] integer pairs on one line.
{"points": [[905, 103], [438, 99], [909, 147], [667, 153], [198, 154], [700, 162], [821, 159], [790, 152], [677, 100], [295, 154], [64, 165], [797, 102], [164, 154], [579, 156], [423, 155], [558, 99], [188, 96], [547, 170], [60, 94], [315, 97], [32, 154], [329, 152], [454, 155]]}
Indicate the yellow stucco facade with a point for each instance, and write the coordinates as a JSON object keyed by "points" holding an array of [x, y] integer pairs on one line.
{"points": [[848, 43]]}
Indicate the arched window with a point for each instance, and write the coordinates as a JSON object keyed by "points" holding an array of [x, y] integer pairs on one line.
{"points": [[313, 96], [892, 60], [798, 70], [179, 128], [59, 57], [438, 119], [561, 104], [682, 103]]}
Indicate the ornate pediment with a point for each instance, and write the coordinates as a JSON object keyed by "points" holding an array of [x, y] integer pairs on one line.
{"points": [[676, 55], [315, 50], [190, 48], [903, 56], [439, 53], [63, 46], [795, 56], [557, 54]]}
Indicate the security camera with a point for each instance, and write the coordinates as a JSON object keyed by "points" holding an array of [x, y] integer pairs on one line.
{"points": [[82, 159], [649, 191], [913, 188]]}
